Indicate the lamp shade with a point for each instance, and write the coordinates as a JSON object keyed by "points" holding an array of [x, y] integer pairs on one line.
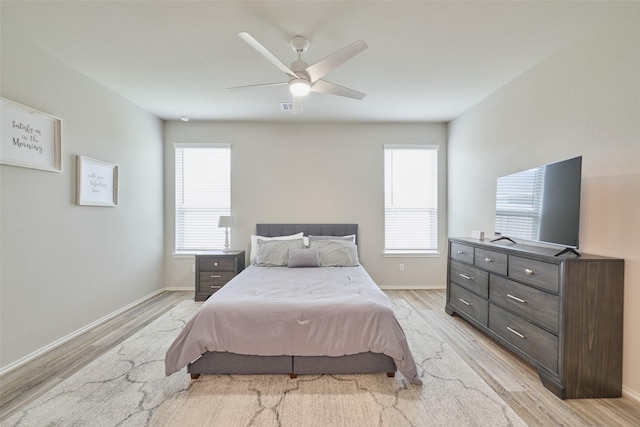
{"points": [[226, 221]]}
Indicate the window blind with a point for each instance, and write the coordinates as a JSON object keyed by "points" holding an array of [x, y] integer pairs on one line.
{"points": [[410, 199], [203, 194]]}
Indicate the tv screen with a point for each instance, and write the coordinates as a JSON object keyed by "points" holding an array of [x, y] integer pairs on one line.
{"points": [[541, 204]]}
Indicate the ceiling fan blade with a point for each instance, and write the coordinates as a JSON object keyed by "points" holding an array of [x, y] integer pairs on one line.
{"points": [[323, 86], [263, 50], [322, 67], [258, 85]]}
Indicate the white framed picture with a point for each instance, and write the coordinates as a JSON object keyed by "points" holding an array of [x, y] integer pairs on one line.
{"points": [[30, 138], [97, 182]]}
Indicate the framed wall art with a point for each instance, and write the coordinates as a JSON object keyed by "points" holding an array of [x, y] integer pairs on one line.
{"points": [[30, 138], [97, 182]]}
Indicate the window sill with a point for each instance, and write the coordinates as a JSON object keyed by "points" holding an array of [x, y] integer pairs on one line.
{"points": [[411, 254]]}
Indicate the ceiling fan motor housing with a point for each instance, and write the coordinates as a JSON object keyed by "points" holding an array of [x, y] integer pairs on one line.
{"points": [[299, 44]]}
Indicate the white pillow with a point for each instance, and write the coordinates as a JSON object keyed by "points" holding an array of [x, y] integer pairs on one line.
{"points": [[255, 238]]}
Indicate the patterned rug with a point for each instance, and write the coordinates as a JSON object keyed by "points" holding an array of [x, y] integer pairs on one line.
{"points": [[127, 387]]}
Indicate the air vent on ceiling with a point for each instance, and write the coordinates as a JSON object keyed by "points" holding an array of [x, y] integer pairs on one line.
{"points": [[286, 106]]}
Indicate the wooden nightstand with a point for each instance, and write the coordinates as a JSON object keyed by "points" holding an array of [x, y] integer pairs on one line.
{"points": [[214, 269]]}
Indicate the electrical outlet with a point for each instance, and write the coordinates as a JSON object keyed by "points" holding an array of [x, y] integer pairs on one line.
{"points": [[401, 267]]}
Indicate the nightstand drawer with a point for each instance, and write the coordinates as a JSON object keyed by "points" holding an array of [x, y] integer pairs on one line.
{"points": [[469, 303], [533, 304], [208, 278], [544, 275], [536, 342], [462, 252], [216, 263], [470, 278], [491, 260]]}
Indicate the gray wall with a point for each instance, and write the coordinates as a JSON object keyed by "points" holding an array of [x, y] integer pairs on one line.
{"points": [[584, 100], [65, 266], [309, 172]]}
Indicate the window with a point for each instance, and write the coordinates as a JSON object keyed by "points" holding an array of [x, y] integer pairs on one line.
{"points": [[203, 194], [410, 199]]}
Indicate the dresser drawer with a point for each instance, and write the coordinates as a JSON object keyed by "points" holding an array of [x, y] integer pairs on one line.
{"points": [[491, 260], [544, 275], [532, 340], [461, 252], [470, 278], [469, 303], [533, 304], [216, 263]]}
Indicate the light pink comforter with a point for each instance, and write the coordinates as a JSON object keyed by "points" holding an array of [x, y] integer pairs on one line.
{"points": [[272, 311]]}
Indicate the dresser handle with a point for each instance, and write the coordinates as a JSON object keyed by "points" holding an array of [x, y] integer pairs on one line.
{"points": [[465, 302], [216, 287], [215, 264], [460, 252], [529, 272], [215, 276], [516, 332], [487, 259], [517, 299], [464, 276]]}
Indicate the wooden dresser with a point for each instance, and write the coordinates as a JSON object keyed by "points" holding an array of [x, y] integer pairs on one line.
{"points": [[562, 314], [214, 269]]}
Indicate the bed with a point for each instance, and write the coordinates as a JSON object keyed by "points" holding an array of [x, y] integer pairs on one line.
{"points": [[314, 319]]}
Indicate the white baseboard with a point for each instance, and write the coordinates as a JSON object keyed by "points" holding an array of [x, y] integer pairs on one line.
{"points": [[412, 288], [29, 357], [630, 394]]}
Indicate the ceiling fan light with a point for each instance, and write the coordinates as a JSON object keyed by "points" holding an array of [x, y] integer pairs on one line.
{"points": [[299, 87]]}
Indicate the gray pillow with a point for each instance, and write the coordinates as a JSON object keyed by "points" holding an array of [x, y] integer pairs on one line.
{"points": [[304, 257], [275, 253], [350, 238], [336, 253]]}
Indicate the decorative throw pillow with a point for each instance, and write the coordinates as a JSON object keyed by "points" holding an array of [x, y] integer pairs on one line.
{"points": [[275, 253], [308, 257]]}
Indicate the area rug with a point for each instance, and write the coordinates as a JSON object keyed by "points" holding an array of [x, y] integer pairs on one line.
{"points": [[127, 387]]}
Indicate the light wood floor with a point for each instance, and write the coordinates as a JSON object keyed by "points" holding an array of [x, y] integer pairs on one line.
{"points": [[514, 381]]}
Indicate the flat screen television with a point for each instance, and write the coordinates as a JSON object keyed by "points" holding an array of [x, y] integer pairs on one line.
{"points": [[541, 204]]}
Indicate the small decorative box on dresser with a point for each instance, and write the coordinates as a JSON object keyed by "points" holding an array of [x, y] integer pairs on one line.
{"points": [[561, 314], [214, 269]]}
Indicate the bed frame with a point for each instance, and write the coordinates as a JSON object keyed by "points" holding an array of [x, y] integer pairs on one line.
{"points": [[232, 363]]}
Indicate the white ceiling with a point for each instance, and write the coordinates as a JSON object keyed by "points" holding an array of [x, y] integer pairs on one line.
{"points": [[426, 61]]}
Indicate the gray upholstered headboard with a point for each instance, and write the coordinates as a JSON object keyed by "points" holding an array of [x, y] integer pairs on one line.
{"points": [[273, 230]]}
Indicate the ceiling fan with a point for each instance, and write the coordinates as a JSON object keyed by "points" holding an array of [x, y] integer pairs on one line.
{"points": [[304, 78]]}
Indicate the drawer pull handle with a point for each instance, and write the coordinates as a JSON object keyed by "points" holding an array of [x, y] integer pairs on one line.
{"points": [[215, 287], [215, 264], [516, 332], [517, 299], [487, 259], [529, 272], [464, 276], [460, 252], [465, 302], [215, 276]]}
